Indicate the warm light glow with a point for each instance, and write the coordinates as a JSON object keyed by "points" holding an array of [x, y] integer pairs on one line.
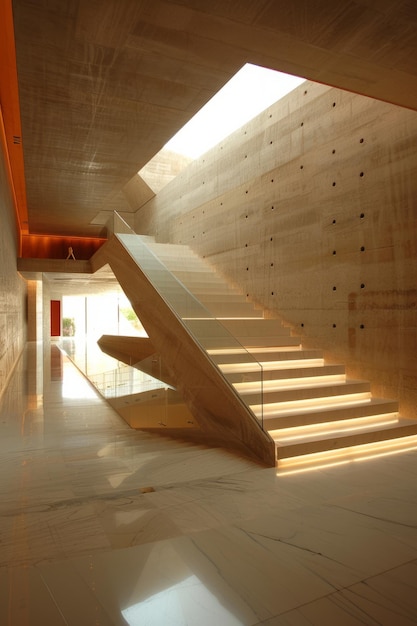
{"points": [[288, 383], [56, 246], [242, 368], [260, 350], [344, 456], [275, 409], [287, 435]]}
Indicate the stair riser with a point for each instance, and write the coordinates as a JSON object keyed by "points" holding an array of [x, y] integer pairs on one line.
{"points": [[340, 414], [283, 357], [301, 449], [223, 309], [225, 342], [259, 329], [226, 298], [200, 312], [199, 278], [308, 393], [287, 374], [312, 405]]}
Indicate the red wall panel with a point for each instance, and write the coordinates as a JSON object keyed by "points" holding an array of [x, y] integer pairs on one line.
{"points": [[55, 318]]}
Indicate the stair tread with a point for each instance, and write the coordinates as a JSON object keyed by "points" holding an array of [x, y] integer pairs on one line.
{"points": [[339, 438], [259, 327], [296, 358], [222, 297], [277, 354], [205, 314], [330, 391], [282, 374], [230, 342], [267, 386], [344, 428], [302, 416], [217, 308]]}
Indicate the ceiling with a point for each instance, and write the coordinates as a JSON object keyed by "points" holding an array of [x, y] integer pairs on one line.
{"points": [[103, 84]]}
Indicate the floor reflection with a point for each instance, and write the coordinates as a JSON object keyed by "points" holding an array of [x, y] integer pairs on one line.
{"points": [[112, 378], [56, 363], [186, 602], [107, 526]]}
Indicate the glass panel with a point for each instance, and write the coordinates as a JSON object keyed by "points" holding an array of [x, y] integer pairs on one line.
{"points": [[199, 298], [135, 392]]}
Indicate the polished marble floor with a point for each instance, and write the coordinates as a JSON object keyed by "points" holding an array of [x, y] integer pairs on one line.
{"points": [[102, 525]]}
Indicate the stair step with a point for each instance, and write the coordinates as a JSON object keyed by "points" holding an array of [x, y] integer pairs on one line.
{"points": [[303, 394], [168, 249], [148, 239], [228, 342], [251, 333], [232, 309], [257, 328], [295, 406], [307, 406], [199, 278], [272, 385], [287, 373], [184, 263], [336, 438], [227, 297], [280, 358], [212, 290], [241, 369], [216, 335], [374, 406], [191, 308]]}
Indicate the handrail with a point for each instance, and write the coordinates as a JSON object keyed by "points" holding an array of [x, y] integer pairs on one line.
{"points": [[189, 310]]}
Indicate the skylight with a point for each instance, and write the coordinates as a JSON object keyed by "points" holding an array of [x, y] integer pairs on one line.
{"points": [[251, 90]]}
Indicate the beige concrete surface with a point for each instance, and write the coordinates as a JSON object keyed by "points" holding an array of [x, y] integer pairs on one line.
{"points": [[310, 209], [103, 86]]}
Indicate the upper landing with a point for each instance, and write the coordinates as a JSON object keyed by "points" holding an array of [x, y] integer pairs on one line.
{"points": [[32, 269]]}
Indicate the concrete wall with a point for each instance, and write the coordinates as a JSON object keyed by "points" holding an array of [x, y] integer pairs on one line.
{"points": [[35, 310], [13, 305], [311, 209]]}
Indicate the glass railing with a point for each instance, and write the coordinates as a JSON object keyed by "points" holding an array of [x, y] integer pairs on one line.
{"points": [[122, 381], [201, 318], [116, 224], [111, 378], [135, 392]]}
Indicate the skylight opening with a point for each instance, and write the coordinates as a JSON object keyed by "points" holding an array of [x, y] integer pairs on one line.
{"points": [[249, 92]]}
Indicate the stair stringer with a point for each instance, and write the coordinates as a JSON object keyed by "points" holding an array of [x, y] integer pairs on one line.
{"points": [[221, 414]]}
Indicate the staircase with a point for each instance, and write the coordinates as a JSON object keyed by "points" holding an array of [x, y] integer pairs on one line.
{"points": [[303, 404]]}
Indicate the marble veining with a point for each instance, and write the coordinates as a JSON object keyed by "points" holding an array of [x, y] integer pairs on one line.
{"points": [[103, 525]]}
